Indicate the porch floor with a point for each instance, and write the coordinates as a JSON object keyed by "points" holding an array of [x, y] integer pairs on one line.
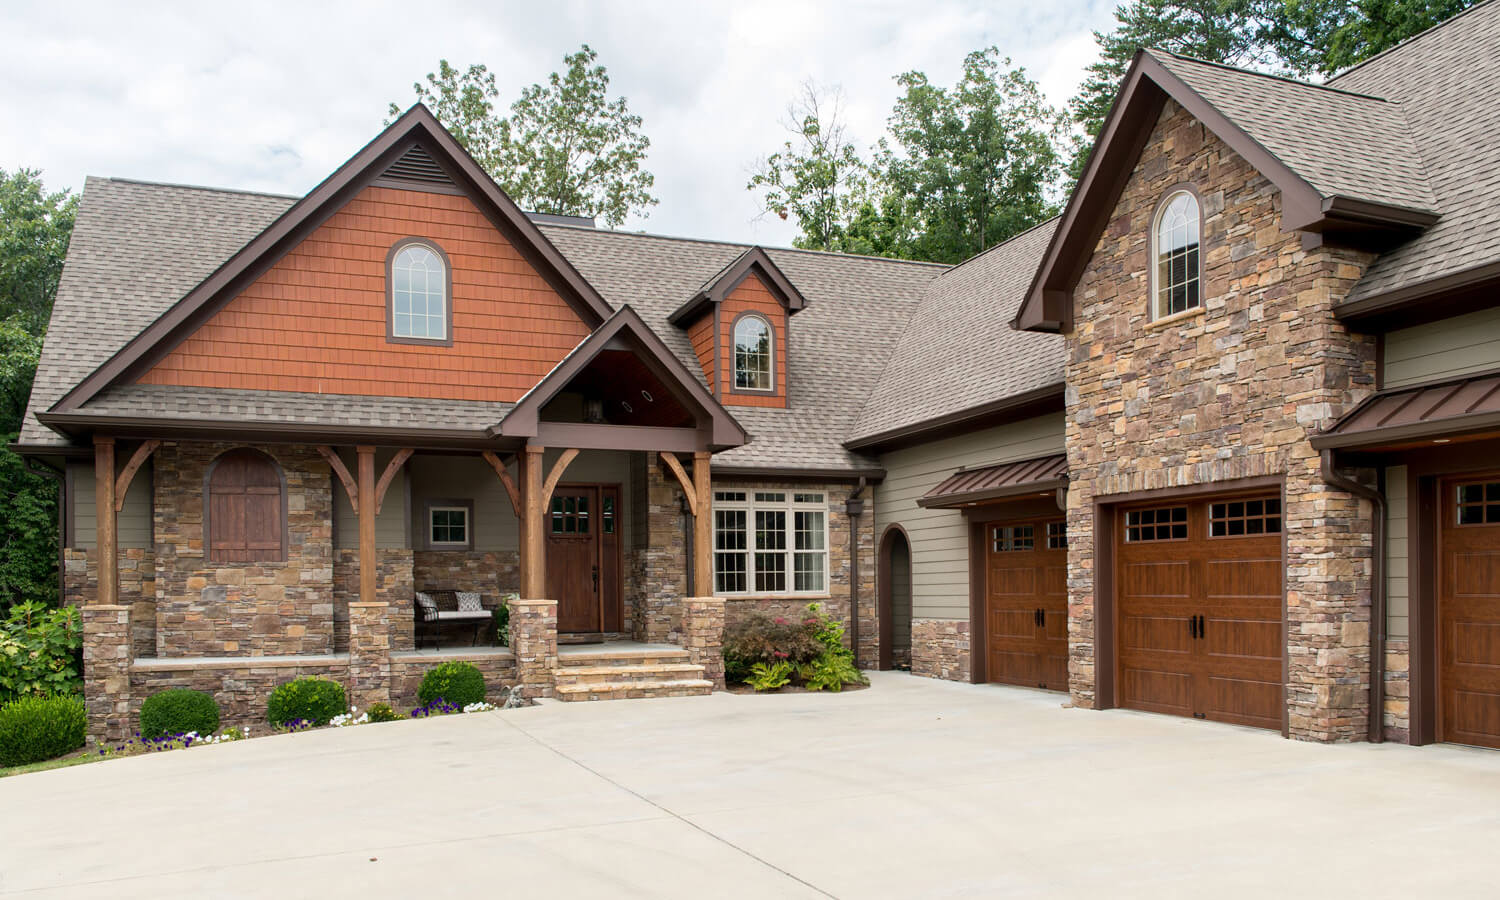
{"points": [[612, 648], [459, 652]]}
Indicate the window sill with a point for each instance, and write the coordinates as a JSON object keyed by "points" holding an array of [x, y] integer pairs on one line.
{"points": [[809, 597], [1174, 318]]}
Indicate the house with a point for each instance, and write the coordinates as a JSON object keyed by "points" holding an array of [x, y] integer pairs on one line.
{"points": [[1216, 442]]}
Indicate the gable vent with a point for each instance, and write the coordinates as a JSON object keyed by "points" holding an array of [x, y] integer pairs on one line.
{"points": [[416, 165]]}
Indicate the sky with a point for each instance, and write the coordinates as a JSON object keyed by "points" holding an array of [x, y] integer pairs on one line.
{"points": [[274, 96]]}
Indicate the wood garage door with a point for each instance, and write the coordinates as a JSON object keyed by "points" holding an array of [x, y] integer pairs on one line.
{"points": [[1026, 608], [1198, 589], [1469, 614]]}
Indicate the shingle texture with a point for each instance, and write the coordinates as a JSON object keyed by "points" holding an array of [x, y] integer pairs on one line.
{"points": [[958, 352]]}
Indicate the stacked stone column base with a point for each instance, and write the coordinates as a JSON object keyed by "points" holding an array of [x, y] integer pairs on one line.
{"points": [[533, 640], [106, 671], [703, 636], [369, 654]]}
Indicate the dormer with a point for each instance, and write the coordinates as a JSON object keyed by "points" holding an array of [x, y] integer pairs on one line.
{"points": [[738, 323]]}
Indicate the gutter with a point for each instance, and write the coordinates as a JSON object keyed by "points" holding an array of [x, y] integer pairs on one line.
{"points": [[1376, 496], [854, 507], [37, 467]]}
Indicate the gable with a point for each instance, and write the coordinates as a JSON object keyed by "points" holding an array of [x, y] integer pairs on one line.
{"points": [[315, 322], [752, 296]]}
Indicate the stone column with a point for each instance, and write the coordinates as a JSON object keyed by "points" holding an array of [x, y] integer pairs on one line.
{"points": [[703, 635], [533, 640], [106, 671], [369, 654]]}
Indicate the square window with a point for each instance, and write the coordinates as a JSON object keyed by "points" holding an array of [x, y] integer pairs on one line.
{"points": [[448, 526]]}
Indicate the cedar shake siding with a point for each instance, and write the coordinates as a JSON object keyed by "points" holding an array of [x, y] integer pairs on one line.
{"points": [[752, 296], [316, 322], [701, 335]]}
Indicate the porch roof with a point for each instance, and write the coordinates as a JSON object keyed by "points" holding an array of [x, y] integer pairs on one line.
{"points": [[1440, 411], [966, 487]]}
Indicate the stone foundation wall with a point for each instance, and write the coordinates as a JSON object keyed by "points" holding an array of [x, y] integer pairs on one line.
{"points": [[407, 670], [242, 609], [107, 691], [241, 687], [1398, 690], [393, 586], [940, 649], [662, 559], [137, 570]]}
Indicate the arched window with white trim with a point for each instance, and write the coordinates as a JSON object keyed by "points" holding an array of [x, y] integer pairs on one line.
{"points": [[419, 287], [1177, 273], [754, 352]]}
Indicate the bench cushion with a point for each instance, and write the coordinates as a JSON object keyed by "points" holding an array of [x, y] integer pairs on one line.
{"points": [[461, 616]]}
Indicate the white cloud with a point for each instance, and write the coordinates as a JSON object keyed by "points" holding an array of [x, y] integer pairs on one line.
{"points": [[274, 96]]}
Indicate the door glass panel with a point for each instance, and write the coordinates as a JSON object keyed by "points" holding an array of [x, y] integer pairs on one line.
{"points": [[607, 515], [1479, 503]]}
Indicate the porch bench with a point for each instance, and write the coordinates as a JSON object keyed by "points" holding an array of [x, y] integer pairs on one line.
{"points": [[443, 609]]}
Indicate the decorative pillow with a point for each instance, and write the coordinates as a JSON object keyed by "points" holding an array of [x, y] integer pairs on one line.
{"points": [[468, 601], [428, 605]]}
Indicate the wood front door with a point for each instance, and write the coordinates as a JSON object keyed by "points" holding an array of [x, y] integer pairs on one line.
{"points": [[1026, 612], [1199, 602], [583, 552], [1469, 613]]}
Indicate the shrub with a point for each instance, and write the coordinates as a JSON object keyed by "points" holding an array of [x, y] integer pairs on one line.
{"points": [[33, 729], [178, 711], [770, 676], [382, 712], [459, 683], [502, 623], [761, 639], [312, 700], [832, 671], [40, 652]]}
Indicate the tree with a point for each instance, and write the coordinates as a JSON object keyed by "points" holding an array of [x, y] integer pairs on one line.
{"points": [[34, 231], [1325, 36], [565, 148], [817, 177], [967, 167]]}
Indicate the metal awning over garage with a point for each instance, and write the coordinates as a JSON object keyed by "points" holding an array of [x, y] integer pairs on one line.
{"points": [[1461, 407], [969, 486]]}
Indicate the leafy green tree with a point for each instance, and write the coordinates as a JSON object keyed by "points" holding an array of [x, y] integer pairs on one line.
{"points": [[28, 502], [566, 147], [1325, 36], [817, 177], [34, 231], [969, 166]]}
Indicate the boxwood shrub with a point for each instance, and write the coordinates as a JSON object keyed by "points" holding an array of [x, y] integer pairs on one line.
{"points": [[459, 683], [313, 700], [178, 711], [33, 729]]}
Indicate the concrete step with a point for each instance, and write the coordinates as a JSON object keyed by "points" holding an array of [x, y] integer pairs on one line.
{"points": [[692, 687], [632, 657], [635, 674]]}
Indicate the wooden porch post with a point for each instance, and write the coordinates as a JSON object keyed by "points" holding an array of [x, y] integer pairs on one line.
{"points": [[703, 528], [104, 514], [366, 511], [533, 547]]}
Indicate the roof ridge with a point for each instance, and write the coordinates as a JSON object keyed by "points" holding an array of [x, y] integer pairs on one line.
{"points": [[1270, 75], [197, 187], [747, 246], [1411, 40]]}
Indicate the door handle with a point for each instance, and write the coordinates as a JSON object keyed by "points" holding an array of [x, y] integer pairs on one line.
{"points": [[596, 579], [1036, 617], [1202, 626], [1193, 627], [1041, 617]]}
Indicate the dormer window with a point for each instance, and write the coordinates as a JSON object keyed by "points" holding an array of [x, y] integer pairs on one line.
{"points": [[1177, 273], [753, 354], [418, 308]]}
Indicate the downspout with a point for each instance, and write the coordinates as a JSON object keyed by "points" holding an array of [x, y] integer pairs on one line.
{"points": [[854, 507], [1376, 496], [37, 467]]}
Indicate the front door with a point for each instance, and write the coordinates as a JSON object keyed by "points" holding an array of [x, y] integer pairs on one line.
{"points": [[1027, 604], [1469, 613], [583, 558]]}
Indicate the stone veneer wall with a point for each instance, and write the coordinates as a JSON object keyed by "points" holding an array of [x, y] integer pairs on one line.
{"points": [[137, 589], [940, 648], [660, 562], [1233, 392], [407, 669], [242, 609], [240, 687], [393, 585], [1397, 714]]}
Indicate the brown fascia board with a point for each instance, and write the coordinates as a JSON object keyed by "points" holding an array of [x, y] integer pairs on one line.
{"points": [[871, 475], [416, 125], [954, 501], [998, 412], [523, 419], [1451, 294], [753, 260], [65, 450], [81, 424], [1145, 88]]}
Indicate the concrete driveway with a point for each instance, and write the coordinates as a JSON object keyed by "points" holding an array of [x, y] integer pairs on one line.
{"points": [[913, 788]]}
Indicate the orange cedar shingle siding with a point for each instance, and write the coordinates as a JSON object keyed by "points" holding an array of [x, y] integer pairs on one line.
{"points": [[701, 333], [316, 321], [752, 294]]}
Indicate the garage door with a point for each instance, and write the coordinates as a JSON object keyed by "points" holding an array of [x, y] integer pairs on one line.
{"points": [[1199, 609], [1026, 588], [1469, 614]]}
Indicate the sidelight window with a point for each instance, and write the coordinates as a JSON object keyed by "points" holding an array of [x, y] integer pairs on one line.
{"points": [[770, 542]]}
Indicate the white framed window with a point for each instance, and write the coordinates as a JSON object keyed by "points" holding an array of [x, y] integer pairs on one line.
{"points": [[418, 278], [1177, 273], [754, 354], [770, 542], [448, 526]]}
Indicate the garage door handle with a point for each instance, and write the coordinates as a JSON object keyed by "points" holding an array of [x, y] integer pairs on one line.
{"points": [[1041, 617], [1193, 627], [1202, 626]]}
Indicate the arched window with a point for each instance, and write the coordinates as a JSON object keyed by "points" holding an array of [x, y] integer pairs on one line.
{"points": [[245, 509], [1177, 273], [753, 353], [418, 278]]}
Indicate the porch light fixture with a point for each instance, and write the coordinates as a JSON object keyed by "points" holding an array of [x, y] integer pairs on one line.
{"points": [[646, 395], [593, 411], [1440, 440]]}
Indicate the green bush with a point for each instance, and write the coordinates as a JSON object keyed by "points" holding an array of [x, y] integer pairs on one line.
{"points": [[770, 676], [502, 623], [832, 671], [40, 652], [313, 700], [382, 712], [178, 711], [33, 729], [459, 683], [758, 638]]}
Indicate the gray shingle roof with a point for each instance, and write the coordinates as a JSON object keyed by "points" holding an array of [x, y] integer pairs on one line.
{"points": [[195, 404], [1343, 144], [1447, 81], [959, 352]]}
